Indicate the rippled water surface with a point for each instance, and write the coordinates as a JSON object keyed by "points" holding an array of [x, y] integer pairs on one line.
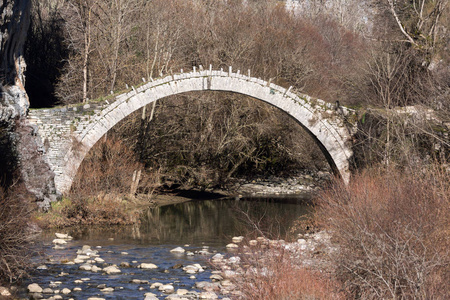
{"points": [[191, 225]]}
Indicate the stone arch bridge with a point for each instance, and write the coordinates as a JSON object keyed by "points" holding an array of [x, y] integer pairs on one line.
{"points": [[70, 132]]}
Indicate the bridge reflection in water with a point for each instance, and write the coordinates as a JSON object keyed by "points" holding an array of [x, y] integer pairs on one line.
{"points": [[212, 222]]}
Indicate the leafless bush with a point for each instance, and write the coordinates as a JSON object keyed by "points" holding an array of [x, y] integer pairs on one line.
{"points": [[108, 167], [274, 274], [15, 236], [101, 191], [392, 231]]}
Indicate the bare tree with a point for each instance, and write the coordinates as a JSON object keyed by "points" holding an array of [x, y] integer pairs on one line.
{"points": [[81, 18]]}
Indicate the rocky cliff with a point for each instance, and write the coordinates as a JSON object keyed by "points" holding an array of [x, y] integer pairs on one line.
{"points": [[21, 149], [14, 22]]}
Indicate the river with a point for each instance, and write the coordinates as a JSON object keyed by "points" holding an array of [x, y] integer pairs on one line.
{"points": [[201, 228]]}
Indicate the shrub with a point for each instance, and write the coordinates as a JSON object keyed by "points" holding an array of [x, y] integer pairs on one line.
{"points": [[15, 236], [391, 228], [276, 275]]}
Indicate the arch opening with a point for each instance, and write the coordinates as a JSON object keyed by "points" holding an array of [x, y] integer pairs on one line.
{"points": [[206, 139]]}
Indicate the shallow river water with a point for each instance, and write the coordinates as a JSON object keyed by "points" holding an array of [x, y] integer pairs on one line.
{"points": [[200, 227]]}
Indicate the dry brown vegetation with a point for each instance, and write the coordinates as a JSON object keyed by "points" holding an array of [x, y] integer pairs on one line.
{"points": [[392, 232], [102, 191], [277, 276], [15, 236]]}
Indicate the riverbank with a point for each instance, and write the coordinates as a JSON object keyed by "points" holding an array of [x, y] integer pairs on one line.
{"points": [[119, 209]]}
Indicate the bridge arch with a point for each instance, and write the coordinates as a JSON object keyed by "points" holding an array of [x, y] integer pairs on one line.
{"points": [[79, 130]]}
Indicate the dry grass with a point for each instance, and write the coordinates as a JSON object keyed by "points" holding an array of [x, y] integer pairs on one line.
{"points": [[392, 230]]}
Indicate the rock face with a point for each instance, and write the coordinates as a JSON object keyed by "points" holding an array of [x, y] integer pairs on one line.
{"points": [[14, 22], [18, 139]]}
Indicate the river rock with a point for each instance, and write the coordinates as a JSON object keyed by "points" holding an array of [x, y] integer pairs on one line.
{"points": [[47, 291], [217, 258], [178, 250], [237, 239], [36, 296], [111, 270], [77, 289], [95, 269], [155, 285], [82, 257], [204, 252], [215, 277], [59, 242], [65, 291], [182, 292], [101, 286], [124, 264], [234, 260], [167, 288], [4, 291], [54, 284], [206, 285], [42, 267], [85, 267], [99, 260], [34, 288], [95, 298], [262, 239], [107, 290], [78, 281], [147, 266], [150, 296], [253, 242], [192, 269], [63, 236], [56, 297], [208, 295]]}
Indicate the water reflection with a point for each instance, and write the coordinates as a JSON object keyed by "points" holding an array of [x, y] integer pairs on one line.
{"points": [[210, 222], [215, 221]]}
